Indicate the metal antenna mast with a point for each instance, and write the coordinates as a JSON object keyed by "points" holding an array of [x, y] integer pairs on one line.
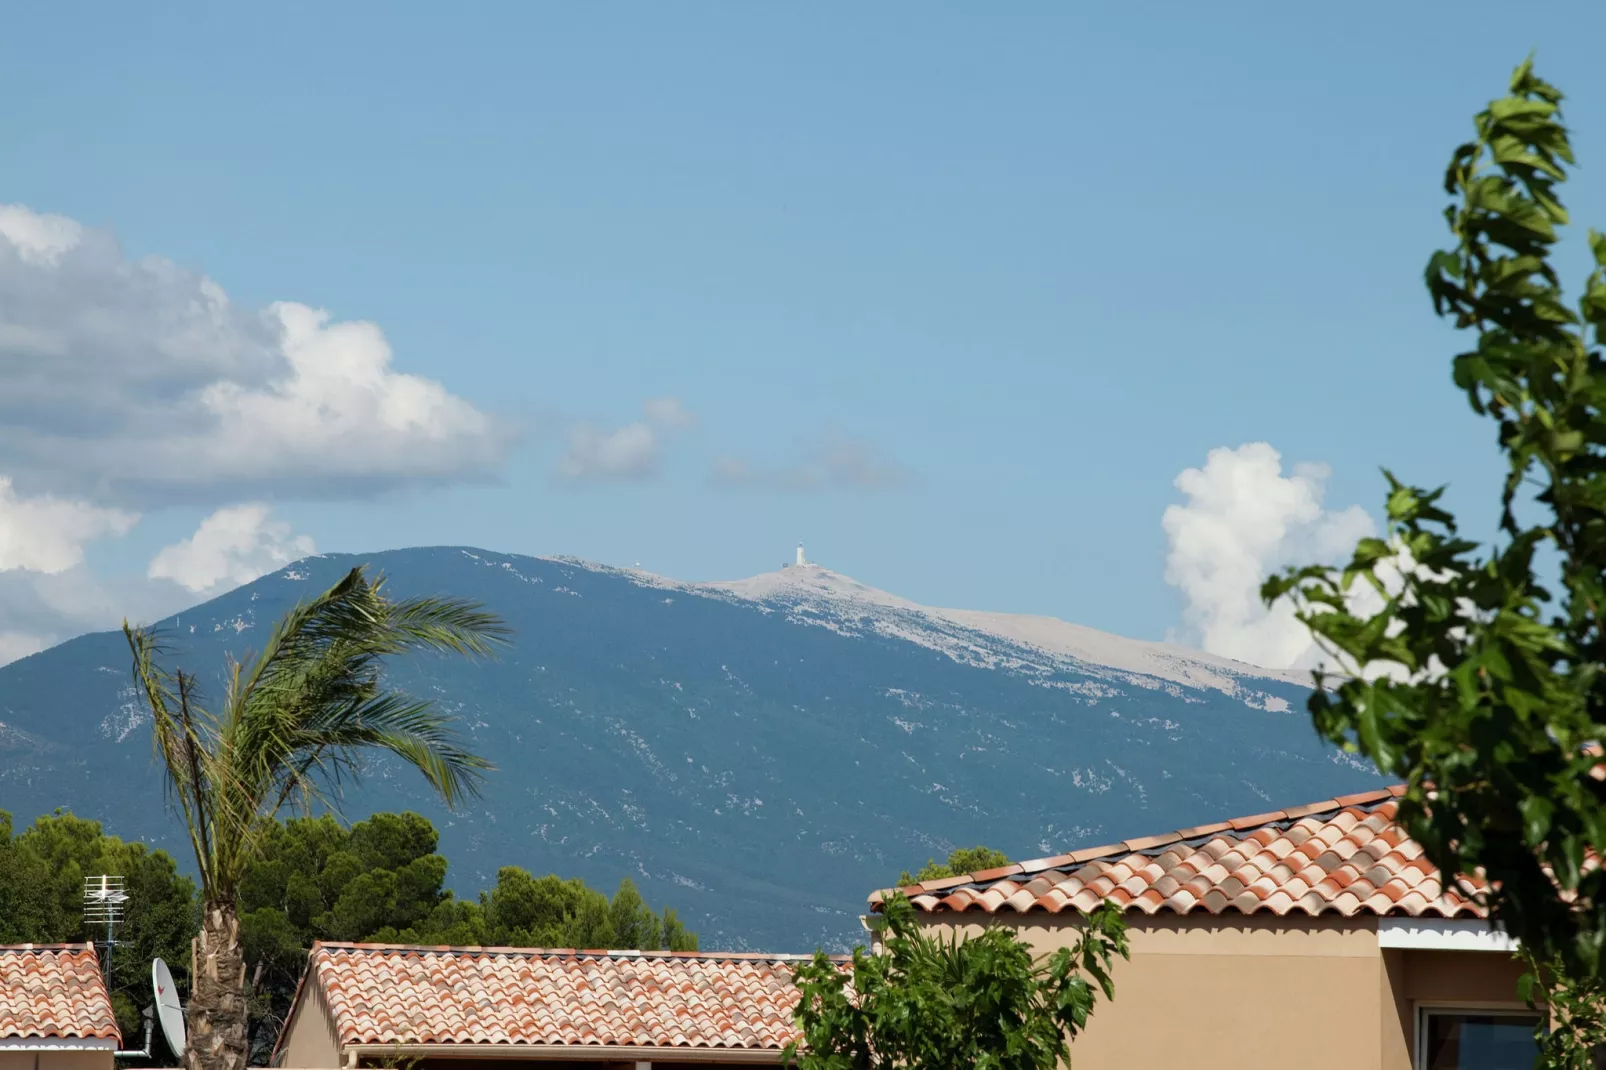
{"points": [[103, 905]]}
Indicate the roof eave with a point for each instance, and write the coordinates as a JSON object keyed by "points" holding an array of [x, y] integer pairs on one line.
{"points": [[55, 1042], [613, 1053]]}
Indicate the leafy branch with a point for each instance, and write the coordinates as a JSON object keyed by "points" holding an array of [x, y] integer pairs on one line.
{"points": [[1453, 666], [924, 1002]]}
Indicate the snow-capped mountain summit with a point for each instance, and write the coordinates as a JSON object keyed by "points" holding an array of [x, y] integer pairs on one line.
{"points": [[759, 754], [816, 595]]}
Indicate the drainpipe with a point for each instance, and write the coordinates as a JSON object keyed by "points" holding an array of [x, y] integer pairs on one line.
{"points": [[145, 1052]]}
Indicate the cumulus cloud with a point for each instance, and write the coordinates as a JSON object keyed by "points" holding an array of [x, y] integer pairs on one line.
{"points": [[47, 534], [129, 384], [838, 461], [16, 645], [1242, 520], [668, 415], [629, 454], [134, 382], [45, 590], [232, 547], [39, 609]]}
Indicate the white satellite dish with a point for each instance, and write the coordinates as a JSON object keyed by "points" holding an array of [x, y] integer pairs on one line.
{"points": [[169, 1011]]}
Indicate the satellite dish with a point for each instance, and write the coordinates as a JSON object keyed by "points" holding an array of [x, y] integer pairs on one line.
{"points": [[169, 1011]]}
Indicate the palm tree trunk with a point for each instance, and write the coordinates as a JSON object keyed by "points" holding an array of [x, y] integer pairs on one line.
{"points": [[217, 1018]]}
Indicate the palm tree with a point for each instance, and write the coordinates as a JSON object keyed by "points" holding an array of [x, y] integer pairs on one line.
{"points": [[292, 726]]}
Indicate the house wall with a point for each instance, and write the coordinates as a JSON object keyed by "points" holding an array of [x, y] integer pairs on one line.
{"points": [[1228, 991], [309, 1037], [56, 1060]]}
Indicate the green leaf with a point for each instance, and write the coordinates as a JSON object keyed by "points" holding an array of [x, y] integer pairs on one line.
{"points": [[1536, 814]]}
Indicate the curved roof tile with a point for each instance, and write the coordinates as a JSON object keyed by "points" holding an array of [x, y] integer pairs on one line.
{"points": [[1344, 856], [383, 993], [54, 990]]}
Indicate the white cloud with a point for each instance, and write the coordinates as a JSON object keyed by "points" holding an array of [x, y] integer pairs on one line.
{"points": [[668, 414], [232, 547], [47, 534], [38, 237], [737, 472], [47, 593], [838, 461], [629, 454], [16, 645], [1242, 521], [855, 462], [130, 384], [138, 383], [39, 610]]}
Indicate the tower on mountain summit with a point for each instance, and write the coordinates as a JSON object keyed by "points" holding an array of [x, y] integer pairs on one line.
{"points": [[800, 561]]}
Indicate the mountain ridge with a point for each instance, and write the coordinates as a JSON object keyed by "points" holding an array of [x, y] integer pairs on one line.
{"points": [[759, 753], [1052, 636]]}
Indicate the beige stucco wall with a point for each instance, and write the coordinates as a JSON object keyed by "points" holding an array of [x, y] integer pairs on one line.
{"points": [[309, 1040], [1234, 991], [56, 1060]]}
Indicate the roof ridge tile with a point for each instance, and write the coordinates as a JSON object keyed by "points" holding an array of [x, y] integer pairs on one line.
{"points": [[475, 951]]}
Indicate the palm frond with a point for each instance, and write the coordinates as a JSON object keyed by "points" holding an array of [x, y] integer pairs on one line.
{"points": [[181, 735], [448, 625], [329, 748], [299, 715]]}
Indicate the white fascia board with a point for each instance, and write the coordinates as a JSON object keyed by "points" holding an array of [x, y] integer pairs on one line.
{"points": [[1442, 934], [57, 1044]]}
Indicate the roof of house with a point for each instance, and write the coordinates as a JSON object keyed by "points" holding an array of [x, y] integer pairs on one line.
{"points": [[1343, 856], [54, 990], [399, 994]]}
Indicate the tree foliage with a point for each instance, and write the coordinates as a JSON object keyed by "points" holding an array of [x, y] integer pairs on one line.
{"points": [[378, 880], [1572, 1033], [1474, 680], [961, 860], [42, 873], [928, 1003], [381, 880]]}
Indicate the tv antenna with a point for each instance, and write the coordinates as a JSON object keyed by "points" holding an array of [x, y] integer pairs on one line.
{"points": [[104, 901], [103, 905]]}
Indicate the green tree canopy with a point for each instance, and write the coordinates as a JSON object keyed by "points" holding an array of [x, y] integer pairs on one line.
{"points": [[381, 880], [526, 911], [929, 1003], [960, 860], [1462, 669], [42, 873], [378, 880], [317, 879]]}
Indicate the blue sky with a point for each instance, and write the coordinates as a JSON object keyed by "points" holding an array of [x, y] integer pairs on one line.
{"points": [[1011, 272]]}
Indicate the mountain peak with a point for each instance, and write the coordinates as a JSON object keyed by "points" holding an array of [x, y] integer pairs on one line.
{"points": [[809, 580], [813, 590]]}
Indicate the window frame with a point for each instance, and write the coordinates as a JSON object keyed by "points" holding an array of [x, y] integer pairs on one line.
{"points": [[1422, 1008]]}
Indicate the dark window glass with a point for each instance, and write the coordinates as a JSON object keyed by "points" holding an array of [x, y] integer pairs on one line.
{"points": [[1480, 1041]]}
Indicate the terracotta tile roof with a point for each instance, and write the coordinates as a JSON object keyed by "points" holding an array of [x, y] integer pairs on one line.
{"points": [[53, 990], [385, 994], [1343, 856]]}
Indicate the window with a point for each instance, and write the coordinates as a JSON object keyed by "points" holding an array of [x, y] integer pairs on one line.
{"points": [[1476, 1040]]}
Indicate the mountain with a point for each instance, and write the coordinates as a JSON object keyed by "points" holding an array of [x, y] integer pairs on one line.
{"points": [[760, 754]]}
